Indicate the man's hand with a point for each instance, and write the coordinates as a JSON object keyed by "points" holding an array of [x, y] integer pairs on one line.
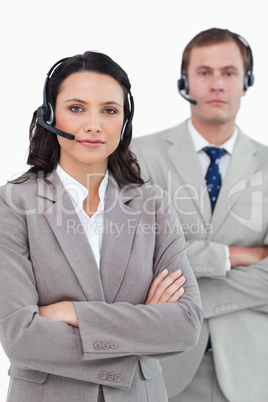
{"points": [[166, 288], [246, 256], [62, 311]]}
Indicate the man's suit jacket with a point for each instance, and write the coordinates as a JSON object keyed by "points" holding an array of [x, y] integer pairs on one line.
{"points": [[46, 258], [235, 303]]}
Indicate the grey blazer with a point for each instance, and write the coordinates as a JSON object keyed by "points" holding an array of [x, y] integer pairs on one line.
{"points": [[235, 304], [46, 258]]}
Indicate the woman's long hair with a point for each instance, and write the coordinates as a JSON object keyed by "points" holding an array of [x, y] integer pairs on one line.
{"points": [[44, 149]]}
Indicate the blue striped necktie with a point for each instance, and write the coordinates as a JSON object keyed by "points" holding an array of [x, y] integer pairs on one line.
{"points": [[213, 176], [213, 180]]}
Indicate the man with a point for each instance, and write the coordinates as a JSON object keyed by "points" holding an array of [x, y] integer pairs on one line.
{"points": [[218, 180]]}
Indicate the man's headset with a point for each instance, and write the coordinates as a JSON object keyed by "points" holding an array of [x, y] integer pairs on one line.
{"points": [[183, 85], [46, 114]]}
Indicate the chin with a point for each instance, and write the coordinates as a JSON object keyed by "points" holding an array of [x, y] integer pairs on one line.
{"points": [[217, 119]]}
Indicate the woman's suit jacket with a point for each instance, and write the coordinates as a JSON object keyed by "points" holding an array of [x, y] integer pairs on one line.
{"points": [[46, 258]]}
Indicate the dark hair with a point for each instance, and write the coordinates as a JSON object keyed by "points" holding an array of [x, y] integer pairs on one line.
{"points": [[214, 36], [44, 149]]}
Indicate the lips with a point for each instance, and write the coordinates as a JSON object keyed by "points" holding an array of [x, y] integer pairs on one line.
{"points": [[92, 141], [89, 143], [217, 101]]}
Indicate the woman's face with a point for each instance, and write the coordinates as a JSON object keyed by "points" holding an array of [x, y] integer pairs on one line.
{"points": [[91, 106]]}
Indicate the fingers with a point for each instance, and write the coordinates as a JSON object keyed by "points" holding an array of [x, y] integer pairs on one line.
{"points": [[166, 288], [176, 296], [173, 290], [160, 277]]}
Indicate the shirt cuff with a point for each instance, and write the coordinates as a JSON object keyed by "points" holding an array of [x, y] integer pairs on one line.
{"points": [[228, 262]]}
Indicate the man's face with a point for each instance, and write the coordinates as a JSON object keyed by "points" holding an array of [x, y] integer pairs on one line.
{"points": [[216, 81]]}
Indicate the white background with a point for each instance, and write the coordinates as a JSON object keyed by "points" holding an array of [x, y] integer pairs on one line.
{"points": [[146, 37]]}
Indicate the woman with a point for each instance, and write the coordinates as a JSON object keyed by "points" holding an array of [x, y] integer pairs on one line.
{"points": [[95, 283]]}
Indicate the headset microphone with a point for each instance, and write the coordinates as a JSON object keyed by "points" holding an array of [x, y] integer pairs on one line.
{"points": [[183, 89], [41, 114]]}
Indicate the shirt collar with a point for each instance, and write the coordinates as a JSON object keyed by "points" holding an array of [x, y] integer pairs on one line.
{"points": [[78, 192], [200, 142]]}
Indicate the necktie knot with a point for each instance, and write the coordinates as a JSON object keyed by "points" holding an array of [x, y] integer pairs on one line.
{"points": [[214, 153]]}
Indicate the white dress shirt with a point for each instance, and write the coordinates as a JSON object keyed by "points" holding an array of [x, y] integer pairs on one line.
{"points": [[92, 227], [199, 143]]}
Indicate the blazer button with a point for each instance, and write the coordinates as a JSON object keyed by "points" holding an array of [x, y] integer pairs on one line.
{"points": [[113, 345], [102, 375], [117, 377], [211, 270], [97, 345], [105, 345], [110, 376]]}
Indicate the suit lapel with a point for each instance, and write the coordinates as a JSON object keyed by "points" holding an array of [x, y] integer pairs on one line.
{"points": [[66, 226], [237, 177], [120, 222], [185, 160]]}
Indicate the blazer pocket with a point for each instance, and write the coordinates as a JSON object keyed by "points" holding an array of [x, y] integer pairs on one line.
{"points": [[150, 368], [17, 373]]}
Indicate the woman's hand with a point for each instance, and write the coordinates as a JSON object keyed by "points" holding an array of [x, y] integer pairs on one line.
{"points": [[62, 311], [166, 288]]}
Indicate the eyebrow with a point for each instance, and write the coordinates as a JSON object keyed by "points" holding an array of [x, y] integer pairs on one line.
{"points": [[211, 68], [85, 103], [76, 100], [112, 103]]}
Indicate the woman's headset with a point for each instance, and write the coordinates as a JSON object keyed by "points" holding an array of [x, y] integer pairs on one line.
{"points": [[46, 115]]}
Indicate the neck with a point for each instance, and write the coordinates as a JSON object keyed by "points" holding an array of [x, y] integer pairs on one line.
{"points": [[215, 133], [90, 176]]}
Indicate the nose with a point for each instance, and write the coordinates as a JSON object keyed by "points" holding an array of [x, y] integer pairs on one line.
{"points": [[217, 82], [92, 123]]}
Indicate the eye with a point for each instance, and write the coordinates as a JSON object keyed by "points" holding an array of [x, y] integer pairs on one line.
{"points": [[203, 73], [76, 109], [110, 111], [230, 72]]}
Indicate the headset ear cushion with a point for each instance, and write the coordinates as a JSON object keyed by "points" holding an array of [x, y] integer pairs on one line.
{"points": [[249, 80], [47, 115], [50, 115], [183, 83], [124, 132], [41, 112]]}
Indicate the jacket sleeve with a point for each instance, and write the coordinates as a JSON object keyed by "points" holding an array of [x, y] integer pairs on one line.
{"points": [[207, 258], [243, 287], [122, 329], [34, 342]]}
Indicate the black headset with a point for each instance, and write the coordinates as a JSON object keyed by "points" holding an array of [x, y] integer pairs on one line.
{"points": [[46, 115], [183, 85]]}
